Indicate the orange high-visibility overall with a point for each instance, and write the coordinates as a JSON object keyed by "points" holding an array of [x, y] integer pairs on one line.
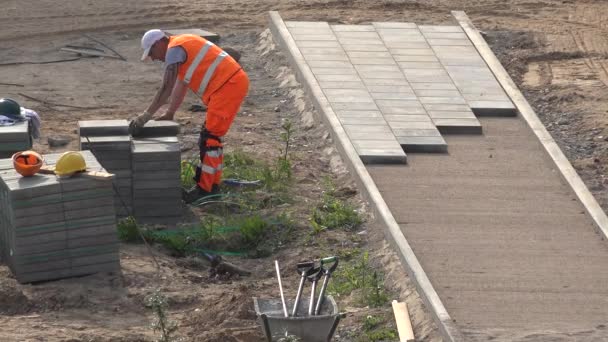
{"points": [[222, 85]]}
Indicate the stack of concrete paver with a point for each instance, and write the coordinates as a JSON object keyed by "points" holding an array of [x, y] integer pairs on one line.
{"points": [[109, 141], [14, 138], [156, 174], [53, 228]]}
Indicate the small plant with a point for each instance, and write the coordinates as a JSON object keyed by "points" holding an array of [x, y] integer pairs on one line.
{"points": [[371, 322], [361, 276], [382, 334], [188, 171], [333, 213], [127, 230], [284, 164], [158, 303]]}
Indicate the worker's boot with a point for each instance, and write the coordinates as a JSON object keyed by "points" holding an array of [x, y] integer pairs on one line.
{"points": [[196, 193]]}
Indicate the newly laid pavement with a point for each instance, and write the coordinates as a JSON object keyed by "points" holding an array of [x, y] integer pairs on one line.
{"points": [[507, 250]]}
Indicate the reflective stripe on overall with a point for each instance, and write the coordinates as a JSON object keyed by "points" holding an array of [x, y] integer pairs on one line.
{"points": [[210, 71], [209, 171]]}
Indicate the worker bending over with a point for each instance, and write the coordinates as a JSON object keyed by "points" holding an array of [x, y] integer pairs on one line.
{"points": [[211, 73]]}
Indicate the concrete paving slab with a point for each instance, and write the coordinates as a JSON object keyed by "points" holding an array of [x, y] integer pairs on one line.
{"points": [[403, 110], [450, 42], [162, 193], [159, 129], [369, 54], [412, 52], [334, 71], [309, 30], [420, 65], [11, 148], [371, 74], [309, 51], [152, 175], [354, 106], [433, 86], [384, 136], [440, 28], [357, 34], [352, 28], [362, 121], [406, 118], [103, 127], [359, 47], [390, 25], [493, 108], [342, 85], [394, 96], [445, 35], [338, 78], [100, 211], [388, 88], [394, 82], [157, 140], [359, 114], [319, 44], [423, 144], [173, 164], [321, 35], [451, 115], [385, 152], [417, 132], [447, 107], [347, 92], [442, 100], [17, 132], [371, 61], [331, 57], [330, 64], [412, 125], [458, 125], [156, 184], [437, 92]]}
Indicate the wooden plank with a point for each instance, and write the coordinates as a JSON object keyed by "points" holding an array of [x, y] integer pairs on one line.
{"points": [[527, 112], [404, 325]]}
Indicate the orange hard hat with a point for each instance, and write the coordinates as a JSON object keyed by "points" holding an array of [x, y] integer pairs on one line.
{"points": [[27, 163]]}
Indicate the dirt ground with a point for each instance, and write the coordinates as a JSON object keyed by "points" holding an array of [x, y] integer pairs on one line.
{"points": [[557, 52]]}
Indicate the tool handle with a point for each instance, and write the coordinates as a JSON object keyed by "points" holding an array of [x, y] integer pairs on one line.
{"points": [[312, 297], [276, 264], [321, 294], [297, 302]]}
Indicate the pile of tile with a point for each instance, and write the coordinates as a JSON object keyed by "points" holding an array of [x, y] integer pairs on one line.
{"points": [[156, 167], [110, 142], [14, 138], [53, 228]]}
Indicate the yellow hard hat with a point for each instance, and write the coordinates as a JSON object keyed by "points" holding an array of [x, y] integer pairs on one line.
{"points": [[70, 163]]}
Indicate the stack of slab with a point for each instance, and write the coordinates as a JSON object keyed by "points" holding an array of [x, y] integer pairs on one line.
{"points": [[156, 174], [53, 228], [14, 138], [110, 142]]}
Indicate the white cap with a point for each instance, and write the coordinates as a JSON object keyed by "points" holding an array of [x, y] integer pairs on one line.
{"points": [[149, 38]]}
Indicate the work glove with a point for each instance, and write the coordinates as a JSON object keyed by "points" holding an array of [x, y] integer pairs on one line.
{"points": [[137, 124]]}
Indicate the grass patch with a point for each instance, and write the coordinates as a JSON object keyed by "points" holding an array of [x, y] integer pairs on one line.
{"points": [[127, 230], [334, 213], [361, 277], [188, 171], [250, 235]]}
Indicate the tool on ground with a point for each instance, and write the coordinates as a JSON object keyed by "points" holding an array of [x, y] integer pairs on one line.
{"points": [[304, 268], [326, 271], [27, 163], [276, 264], [314, 276]]}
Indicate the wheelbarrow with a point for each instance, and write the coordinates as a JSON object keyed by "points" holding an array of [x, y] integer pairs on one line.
{"points": [[276, 326]]}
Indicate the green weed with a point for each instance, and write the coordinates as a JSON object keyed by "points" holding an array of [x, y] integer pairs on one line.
{"points": [[188, 171], [127, 230], [158, 303], [333, 213], [360, 275]]}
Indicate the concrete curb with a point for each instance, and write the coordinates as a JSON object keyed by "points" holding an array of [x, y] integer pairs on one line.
{"points": [[365, 182], [527, 112]]}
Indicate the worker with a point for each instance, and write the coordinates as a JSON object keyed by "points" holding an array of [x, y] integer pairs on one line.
{"points": [[213, 75]]}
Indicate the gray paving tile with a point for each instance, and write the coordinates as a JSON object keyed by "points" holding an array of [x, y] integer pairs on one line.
{"points": [[463, 62], [450, 42], [334, 71], [399, 103], [347, 92], [451, 115], [360, 47], [439, 28], [384, 136], [493, 108], [381, 128], [307, 24], [403, 41], [447, 107], [458, 126], [423, 144], [445, 35], [353, 28], [330, 64], [406, 118], [412, 52], [406, 89], [438, 92], [359, 113], [394, 96], [403, 110], [362, 121], [385, 82], [310, 30], [160, 128], [321, 36], [357, 34], [442, 100], [415, 58], [342, 85], [372, 61], [309, 51], [155, 184], [381, 74], [366, 42], [338, 78], [417, 133], [103, 127], [369, 54], [332, 57], [398, 25], [349, 99], [488, 97], [318, 44], [421, 65], [354, 106], [412, 125]]}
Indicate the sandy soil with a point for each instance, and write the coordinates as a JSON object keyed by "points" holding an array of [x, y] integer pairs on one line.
{"points": [[556, 51]]}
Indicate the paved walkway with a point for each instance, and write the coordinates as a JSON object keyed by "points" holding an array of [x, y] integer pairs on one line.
{"points": [[503, 239]]}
